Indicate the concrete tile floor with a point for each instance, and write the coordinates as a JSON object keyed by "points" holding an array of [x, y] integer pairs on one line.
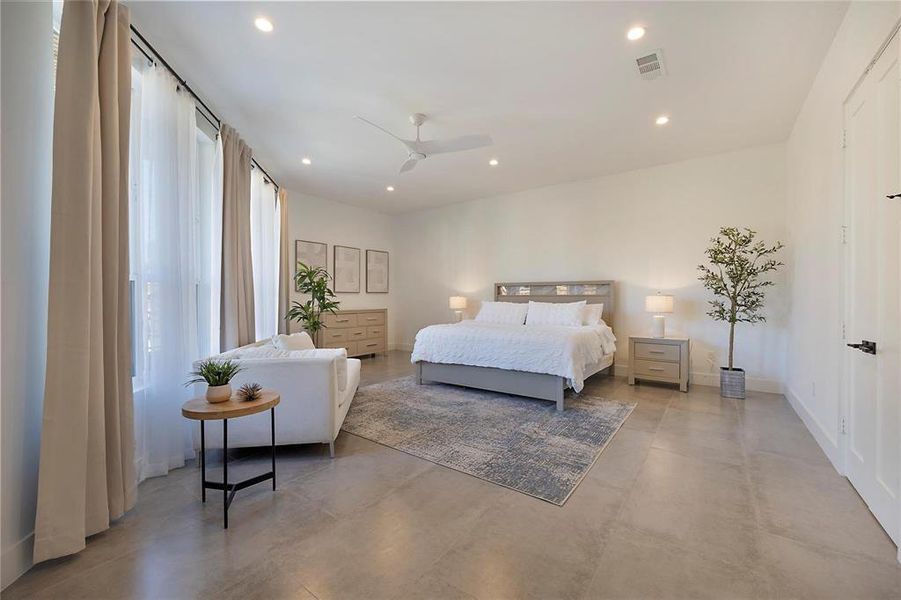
{"points": [[696, 497]]}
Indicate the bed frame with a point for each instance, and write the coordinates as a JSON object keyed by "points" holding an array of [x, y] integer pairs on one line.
{"points": [[522, 383]]}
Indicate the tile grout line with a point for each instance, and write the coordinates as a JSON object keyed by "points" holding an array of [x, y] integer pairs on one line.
{"points": [[628, 493], [761, 568]]}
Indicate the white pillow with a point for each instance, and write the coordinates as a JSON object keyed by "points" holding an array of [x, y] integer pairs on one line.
{"points": [[592, 314], [295, 341], [549, 313], [265, 351], [508, 313]]}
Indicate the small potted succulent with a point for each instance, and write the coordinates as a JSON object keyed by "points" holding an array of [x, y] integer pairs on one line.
{"points": [[217, 374], [250, 392]]}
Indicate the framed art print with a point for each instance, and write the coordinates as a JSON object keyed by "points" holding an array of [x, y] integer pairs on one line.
{"points": [[347, 269], [312, 254], [376, 272]]}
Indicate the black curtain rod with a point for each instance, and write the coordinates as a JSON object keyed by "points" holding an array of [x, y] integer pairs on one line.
{"points": [[215, 121], [266, 178], [181, 80], [202, 113], [254, 163]]}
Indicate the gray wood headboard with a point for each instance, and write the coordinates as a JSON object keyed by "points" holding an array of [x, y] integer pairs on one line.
{"points": [[593, 292]]}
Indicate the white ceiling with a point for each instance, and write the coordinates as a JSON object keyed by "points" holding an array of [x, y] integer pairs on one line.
{"points": [[553, 83]]}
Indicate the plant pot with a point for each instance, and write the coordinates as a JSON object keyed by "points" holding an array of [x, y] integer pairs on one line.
{"points": [[732, 383], [218, 393]]}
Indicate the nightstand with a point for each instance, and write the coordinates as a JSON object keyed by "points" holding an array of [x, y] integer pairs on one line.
{"points": [[659, 359]]}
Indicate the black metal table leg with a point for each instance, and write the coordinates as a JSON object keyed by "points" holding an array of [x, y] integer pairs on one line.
{"points": [[200, 409], [202, 463], [272, 414], [225, 471], [230, 489]]}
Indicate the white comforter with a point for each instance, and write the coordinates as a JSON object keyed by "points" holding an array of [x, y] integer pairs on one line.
{"points": [[562, 351]]}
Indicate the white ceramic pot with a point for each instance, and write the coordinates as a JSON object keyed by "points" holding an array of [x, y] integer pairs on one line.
{"points": [[218, 393]]}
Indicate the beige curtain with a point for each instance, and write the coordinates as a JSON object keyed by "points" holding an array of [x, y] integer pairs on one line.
{"points": [[87, 441], [237, 325], [285, 271]]}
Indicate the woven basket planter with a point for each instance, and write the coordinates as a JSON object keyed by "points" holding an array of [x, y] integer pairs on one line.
{"points": [[732, 383]]}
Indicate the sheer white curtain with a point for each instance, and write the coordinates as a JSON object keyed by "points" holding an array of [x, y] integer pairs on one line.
{"points": [[166, 260], [264, 242], [209, 237], [214, 265]]}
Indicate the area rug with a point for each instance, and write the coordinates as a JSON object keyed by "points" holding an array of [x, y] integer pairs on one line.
{"points": [[520, 443]]}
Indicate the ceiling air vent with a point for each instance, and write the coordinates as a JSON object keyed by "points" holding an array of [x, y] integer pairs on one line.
{"points": [[651, 66]]}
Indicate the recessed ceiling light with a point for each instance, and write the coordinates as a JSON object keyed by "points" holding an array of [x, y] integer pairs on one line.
{"points": [[662, 120], [493, 162], [306, 161], [263, 24], [390, 188], [636, 33]]}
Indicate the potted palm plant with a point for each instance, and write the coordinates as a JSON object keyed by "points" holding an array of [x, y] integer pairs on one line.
{"points": [[218, 375], [738, 263], [313, 281]]}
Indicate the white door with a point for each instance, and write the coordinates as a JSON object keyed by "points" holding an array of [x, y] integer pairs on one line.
{"points": [[873, 411]]}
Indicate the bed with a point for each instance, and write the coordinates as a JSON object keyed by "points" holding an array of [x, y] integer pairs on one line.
{"points": [[533, 361]]}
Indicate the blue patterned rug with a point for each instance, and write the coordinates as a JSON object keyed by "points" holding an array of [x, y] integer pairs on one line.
{"points": [[520, 443]]}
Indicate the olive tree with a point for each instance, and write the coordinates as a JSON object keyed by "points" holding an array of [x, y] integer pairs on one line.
{"points": [[738, 263]]}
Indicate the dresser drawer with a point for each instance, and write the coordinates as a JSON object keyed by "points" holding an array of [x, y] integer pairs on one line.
{"points": [[339, 321], [375, 333], [329, 336], [367, 346], [650, 368], [648, 351], [367, 319], [350, 346], [356, 333]]}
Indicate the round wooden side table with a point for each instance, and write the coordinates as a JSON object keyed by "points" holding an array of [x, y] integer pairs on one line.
{"points": [[199, 409]]}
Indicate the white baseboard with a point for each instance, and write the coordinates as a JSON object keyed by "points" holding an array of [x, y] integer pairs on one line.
{"points": [[16, 560], [826, 439], [755, 384], [404, 347]]}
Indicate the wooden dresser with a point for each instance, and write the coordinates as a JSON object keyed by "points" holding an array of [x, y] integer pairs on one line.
{"points": [[362, 332]]}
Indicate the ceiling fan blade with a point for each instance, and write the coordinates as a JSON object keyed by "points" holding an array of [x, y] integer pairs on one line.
{"points": [[380, 128], [467, 142], [408, 166]]}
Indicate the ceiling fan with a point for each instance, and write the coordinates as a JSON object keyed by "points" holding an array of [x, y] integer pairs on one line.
{"points": [[420, 150]]}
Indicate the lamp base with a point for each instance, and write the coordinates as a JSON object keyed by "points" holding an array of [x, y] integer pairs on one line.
{"points": [[658, 330], [458, 315]]}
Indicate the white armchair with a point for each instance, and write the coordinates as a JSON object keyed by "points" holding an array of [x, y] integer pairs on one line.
{"points": [[313, 400]]}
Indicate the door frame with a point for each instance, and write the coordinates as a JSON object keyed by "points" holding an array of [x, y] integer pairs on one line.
{"points": [[845, 367]]}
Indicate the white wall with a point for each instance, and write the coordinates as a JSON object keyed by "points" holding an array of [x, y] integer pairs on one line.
{"points": [[815, 215], [25, 231], [317, 220], [645, 229]]}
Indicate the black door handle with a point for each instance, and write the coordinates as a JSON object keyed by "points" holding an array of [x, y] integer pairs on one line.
{"points": [[893, 196], [865, 346]]}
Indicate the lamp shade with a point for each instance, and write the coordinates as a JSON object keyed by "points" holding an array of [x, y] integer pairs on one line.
{"points": [[457, 302], [658, 303]]}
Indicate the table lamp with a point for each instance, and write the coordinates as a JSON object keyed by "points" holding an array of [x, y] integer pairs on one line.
{"points": [[457, 304], [658, 304]]}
